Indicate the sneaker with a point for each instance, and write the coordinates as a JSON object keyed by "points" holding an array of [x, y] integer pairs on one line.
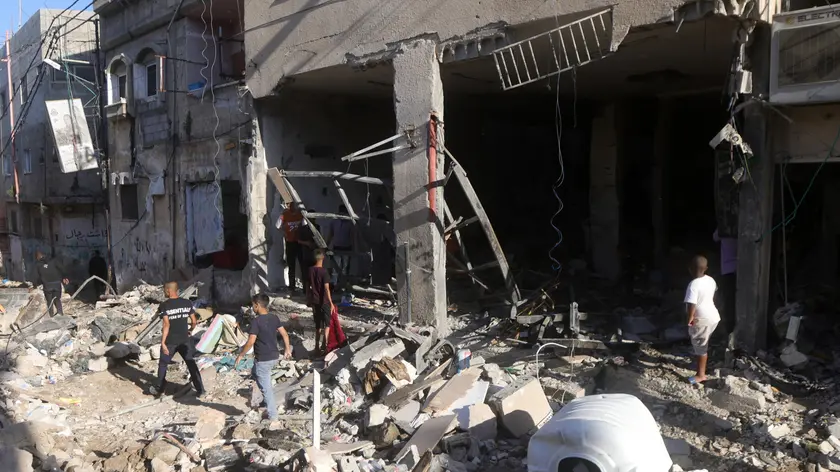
{"points": [[155, 391], [200, 395]]}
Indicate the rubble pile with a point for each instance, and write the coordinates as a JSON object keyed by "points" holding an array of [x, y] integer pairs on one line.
{"points": [[395, 398]]}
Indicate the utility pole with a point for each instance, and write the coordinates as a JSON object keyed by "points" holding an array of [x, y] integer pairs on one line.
{"points": [[102, 145], [12, 133]]}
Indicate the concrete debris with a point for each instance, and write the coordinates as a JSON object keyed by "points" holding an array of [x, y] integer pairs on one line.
{"points": [[98, 365], [738, 396], [391, 402], [521, 406], [791, 357]]}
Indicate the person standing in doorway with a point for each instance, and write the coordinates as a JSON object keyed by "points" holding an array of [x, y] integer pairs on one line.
{"points": [[51, 275], [263, 338], [340, 237], [178, 321], [728, 279], [99, 268], [292, 222]]}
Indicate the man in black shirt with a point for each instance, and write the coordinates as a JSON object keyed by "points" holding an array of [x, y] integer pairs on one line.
{"points": [[178, 320], [263, 338], [51, 275], [320, 299]]}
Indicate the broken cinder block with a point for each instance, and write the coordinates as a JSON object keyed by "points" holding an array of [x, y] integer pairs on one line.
{"points": [[738, 396], [375, 351], [521, 406]]}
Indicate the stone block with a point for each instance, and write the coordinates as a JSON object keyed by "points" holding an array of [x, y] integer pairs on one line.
{"points": [[407, 413], [163, 450], [99, 364], [376, 415], [738, 396], [479, 420], [209, 425], [521, 406]]}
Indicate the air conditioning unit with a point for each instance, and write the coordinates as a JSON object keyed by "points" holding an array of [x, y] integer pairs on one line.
{"points": [[805, 56]]}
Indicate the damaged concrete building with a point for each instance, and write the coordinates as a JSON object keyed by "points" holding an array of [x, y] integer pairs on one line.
{"points": [[631, 93], [183, 177], [587, 124], [53, 195]]}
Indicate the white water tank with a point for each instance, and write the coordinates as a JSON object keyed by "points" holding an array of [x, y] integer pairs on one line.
{"points": [[600, 433]]}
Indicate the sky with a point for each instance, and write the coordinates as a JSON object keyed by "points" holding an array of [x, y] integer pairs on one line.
{"points": [[9, 9]]}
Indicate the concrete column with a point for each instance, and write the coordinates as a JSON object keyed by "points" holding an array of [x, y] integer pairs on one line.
{"points": [[254, 192], [418, 92], [755, 209], [604, 214], [755, 219]]}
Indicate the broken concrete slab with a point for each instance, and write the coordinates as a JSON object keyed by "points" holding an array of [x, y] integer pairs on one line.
{"points": [[163, 450], [428, 435], [375, 351], [403, 395], [376, 415], [738, 396], [348, 464], [346, 448], [476, 394], [407, 413], [479, 420], [98, 365], [158, 465], [791, 357], [454, 389], [521, 406]]}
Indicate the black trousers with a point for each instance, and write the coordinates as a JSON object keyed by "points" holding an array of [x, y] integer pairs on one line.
{"points": [[187, 352], [728, 285], [294, 257], [52, 293]]}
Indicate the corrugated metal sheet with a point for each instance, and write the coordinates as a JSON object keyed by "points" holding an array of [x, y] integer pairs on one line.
{"points": [[71, 134]]}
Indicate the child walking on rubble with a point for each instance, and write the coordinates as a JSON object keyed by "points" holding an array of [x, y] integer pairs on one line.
{"points": [[320, 300], [263, 338], [178, 320], [703, 315]]}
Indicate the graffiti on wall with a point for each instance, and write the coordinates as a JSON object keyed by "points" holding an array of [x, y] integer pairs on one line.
{"points": [[144, 257]]}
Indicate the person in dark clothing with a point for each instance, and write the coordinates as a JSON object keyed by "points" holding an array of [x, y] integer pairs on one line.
{"points": [[320, 299], [263, 338], [292, 221], [178, 320], [51, 275], [306, 239], [98, 267]]}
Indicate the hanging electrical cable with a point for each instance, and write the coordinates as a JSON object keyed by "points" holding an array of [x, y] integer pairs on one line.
{"points": [[216, 168]]}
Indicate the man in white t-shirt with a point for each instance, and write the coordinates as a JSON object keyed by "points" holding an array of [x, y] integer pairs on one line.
{"points": [[703, 315]]}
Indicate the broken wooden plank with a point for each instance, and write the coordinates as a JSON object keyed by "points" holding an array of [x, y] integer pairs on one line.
{"points": [[495, 245]]}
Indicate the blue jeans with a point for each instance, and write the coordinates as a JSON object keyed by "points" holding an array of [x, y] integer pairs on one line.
{"points": [[262, 374]]}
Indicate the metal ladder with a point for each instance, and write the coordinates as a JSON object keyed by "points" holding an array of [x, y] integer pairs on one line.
{"points": [[571, 45]]}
